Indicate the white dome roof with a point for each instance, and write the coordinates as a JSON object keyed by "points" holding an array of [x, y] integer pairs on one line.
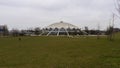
{"points": [[62, 25]]}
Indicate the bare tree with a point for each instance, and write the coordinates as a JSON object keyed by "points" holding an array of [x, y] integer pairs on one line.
{"points": [[15, 32], [86, 30], [110, 30], [4, 30], [37, 31], [117, 6], [98, 32]]}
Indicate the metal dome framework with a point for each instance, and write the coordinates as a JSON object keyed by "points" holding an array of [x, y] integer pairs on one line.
{"points": [[61, 28]]}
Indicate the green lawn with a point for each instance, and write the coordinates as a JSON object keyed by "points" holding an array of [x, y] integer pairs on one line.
{"points": [[59, 52]]}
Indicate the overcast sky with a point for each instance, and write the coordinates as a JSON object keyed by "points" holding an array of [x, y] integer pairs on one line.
{"points": [[23, 14]]}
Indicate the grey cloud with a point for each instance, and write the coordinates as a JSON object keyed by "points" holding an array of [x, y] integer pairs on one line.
{"points": [[44, 12], [39, 4]]}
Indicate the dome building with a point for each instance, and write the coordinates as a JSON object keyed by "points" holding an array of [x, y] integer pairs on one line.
{"points": [[61, 28]]}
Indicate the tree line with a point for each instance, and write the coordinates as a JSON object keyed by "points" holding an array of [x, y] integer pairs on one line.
{"points": [[4, 31]]}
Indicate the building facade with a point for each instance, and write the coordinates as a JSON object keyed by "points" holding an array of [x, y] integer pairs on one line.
{"points": [[61, 28]]}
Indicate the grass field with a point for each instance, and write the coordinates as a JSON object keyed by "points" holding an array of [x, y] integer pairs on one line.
{"points": [[59, 52]]}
